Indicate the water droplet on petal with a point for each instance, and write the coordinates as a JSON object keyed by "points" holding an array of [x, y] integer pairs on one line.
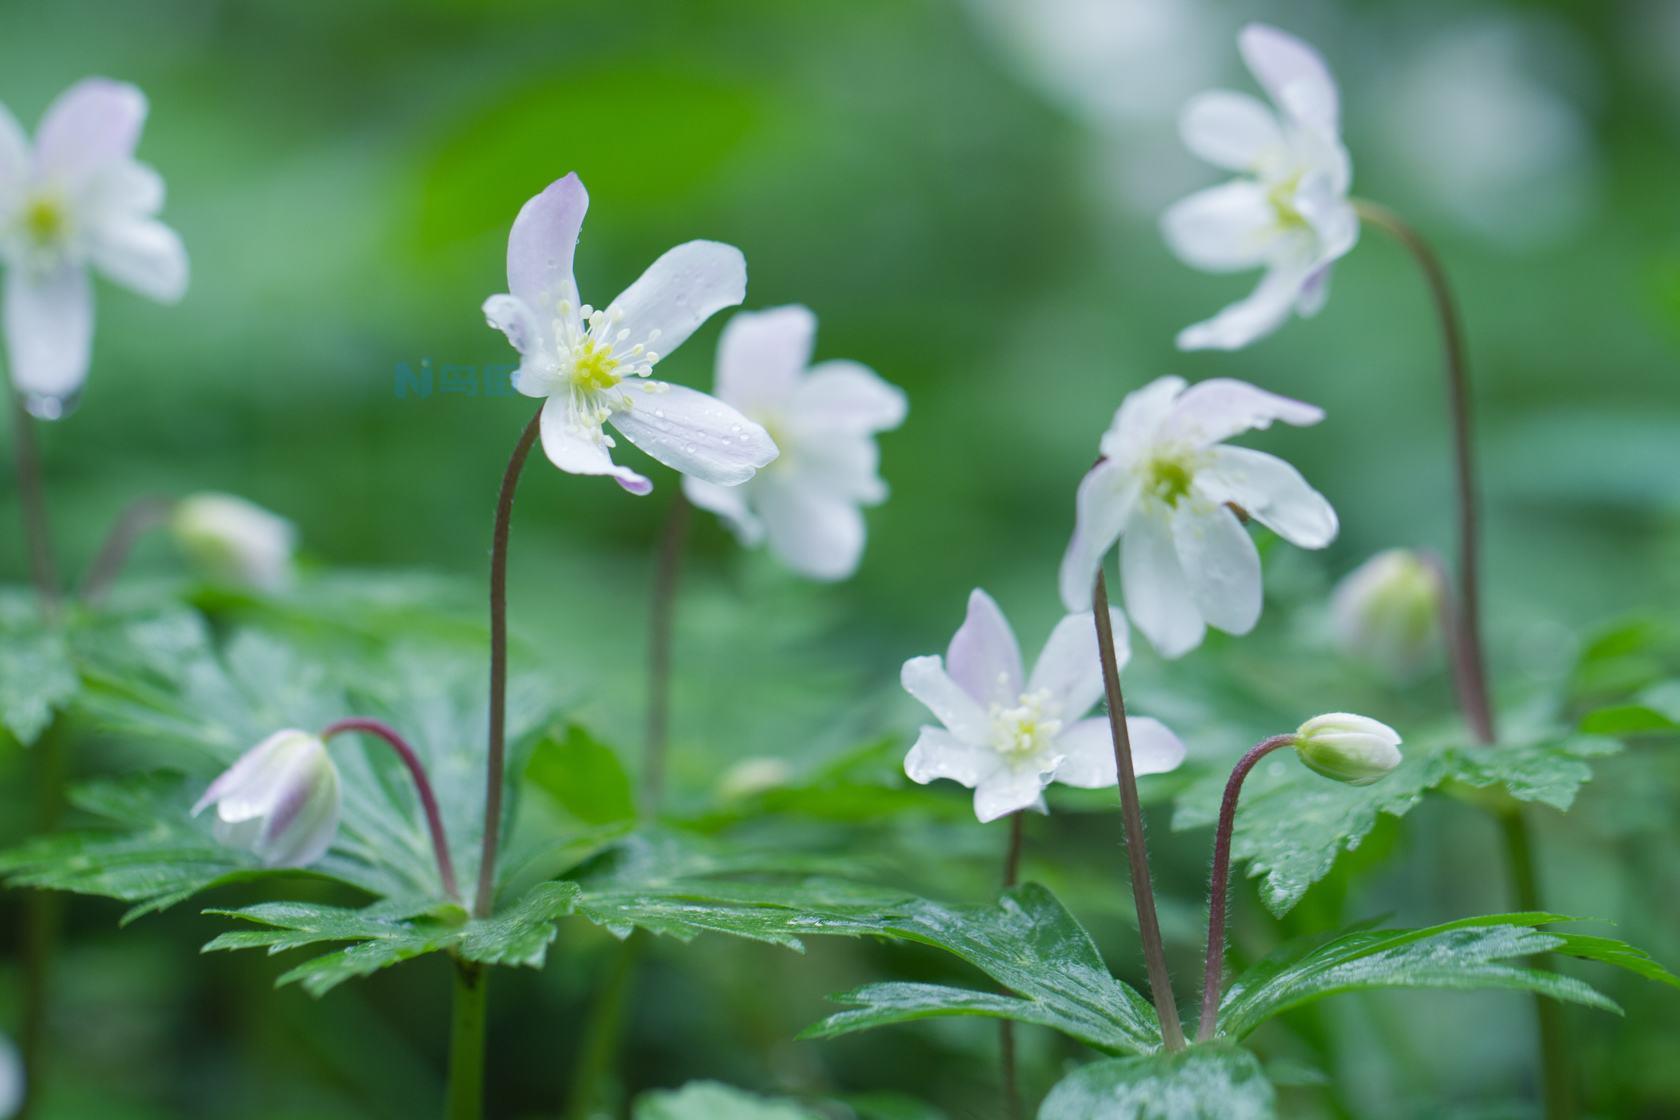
{"points": [[51, 406]]}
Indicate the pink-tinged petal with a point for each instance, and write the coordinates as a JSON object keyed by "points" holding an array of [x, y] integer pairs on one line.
{"points": [[1070, 667], [524, 330], [1088, 751], [848, 396], [679, 291], [761, 356], [1258, 314], [983, 657], [1229, 228], [90, 126], [1221, 565], [1315, 293], [241, 772], [580, 452], [542, 243], [1231, 130], [925, 678], [729, 503], [940, 754], [143, 255], [1132, 430], [309, 833], [1107, 496], [1222, 407], [814, 533], [49, 330], [1156, 590], [1293, 74], [1270, 491], [1007, 790], [694, 433]]}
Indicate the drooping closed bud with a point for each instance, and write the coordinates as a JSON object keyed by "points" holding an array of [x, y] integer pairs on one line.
{"points": [[1349, 748], [281, 800], [231, 539], [1388, 611]]}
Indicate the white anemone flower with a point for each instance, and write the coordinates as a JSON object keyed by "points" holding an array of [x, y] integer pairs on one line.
{"points": [[1006, 734], [231, 539], [1288, 211], [823, 419], [595, 364], [281, 800], [77, 198], [1166, 488]]}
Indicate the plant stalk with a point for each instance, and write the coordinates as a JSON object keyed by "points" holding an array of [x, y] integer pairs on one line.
{"points": [[485, 900], [667, 574], [1006, 1027], [32, 498], [599, 1049], [1143, 892], [1219, 884], [466, 1043], [422, 786], [43, 917], [138, 518]]}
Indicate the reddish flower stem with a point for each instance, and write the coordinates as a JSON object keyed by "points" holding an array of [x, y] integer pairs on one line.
{"points": [[422, 786]]}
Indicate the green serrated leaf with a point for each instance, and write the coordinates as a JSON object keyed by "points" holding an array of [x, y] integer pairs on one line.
{"points": [[1207, 1082], [709, 1100], [583, 775], [37, 679]]}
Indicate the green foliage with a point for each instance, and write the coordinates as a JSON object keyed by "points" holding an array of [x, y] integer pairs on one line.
{"points": [[1207, 1082], [37, 678], [708, 1100], [1655, 710], [583, 775], [1292, 824]]}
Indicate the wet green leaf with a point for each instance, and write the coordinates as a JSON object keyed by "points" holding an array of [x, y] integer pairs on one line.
{"points": [[708, 1100], [37, 679], [1208, 1082], [583, 775]]}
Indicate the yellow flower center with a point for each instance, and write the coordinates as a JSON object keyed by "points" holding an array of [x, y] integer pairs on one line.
{"points": [[1025, 730], [1282, 197], [592, 369], [1169, 480], [44, 221]]}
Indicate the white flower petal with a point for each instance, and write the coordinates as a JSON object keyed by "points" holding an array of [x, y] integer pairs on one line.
{"points": [[541, 245], [925, 678], [1132, 430], [1007, 790], [15, 162], [1292, 73], [1332, 217], [983, 657], [1088, 751], [1107, 496], [681, 290], [1070, 666], [1157, 593], [580, 452], [1228, 228], [1270, 491], [761, 355], [1222, 407], [91, 125], [1230, 130], [144, 255], [694, 433], [1221, 564], [1258, 314], [848, 396], [816, 534], [123, 190], [297, 838], [523, 328], [729, 503], [1315, 293], [842, 464], [49, 330], [940, 754]]}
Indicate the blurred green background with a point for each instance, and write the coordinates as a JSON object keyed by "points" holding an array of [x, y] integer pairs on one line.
{"points": [[966, 194]]}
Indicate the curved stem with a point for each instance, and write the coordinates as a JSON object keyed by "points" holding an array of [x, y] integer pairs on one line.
{"points": [[1143, 892], [32, 497], [664, 608], [1467, 638], [494, 777], [1219, 883], [132, 523], [466, 1043], [1006, 1028], [422, 786]]}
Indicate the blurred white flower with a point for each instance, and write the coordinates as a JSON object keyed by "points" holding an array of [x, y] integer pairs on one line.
{"points": [[1388, 611], [824, 420], [77, 198], [281, 800], [594, 365], [752, 776], [1288, 211], [1349, 748], [1166, 485], [1007, 735], [233, 540], [11, 1079]]}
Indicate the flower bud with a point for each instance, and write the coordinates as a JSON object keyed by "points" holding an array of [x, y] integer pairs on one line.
{"points": [[233, 540], [280, 800], [1348, 748], [1388, 611]]}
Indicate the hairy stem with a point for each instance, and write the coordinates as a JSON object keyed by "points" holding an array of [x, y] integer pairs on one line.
{"points": [[1006, 1028], [497, 763], [136, 519], [1219, 883], [32, 497], [660, 625], [1143, 892], [422, 786], [466, 1043]]}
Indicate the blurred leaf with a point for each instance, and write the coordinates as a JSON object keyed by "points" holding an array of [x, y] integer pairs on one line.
{"points": [[1468, 954], [890, 1106], [1206, 1082], [1292, 823], [708, 1100], [582, 774], [37, 678], [1656, 710]]}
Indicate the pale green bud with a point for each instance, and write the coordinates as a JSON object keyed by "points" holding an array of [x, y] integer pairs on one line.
{"points": [[1349, 748]]}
